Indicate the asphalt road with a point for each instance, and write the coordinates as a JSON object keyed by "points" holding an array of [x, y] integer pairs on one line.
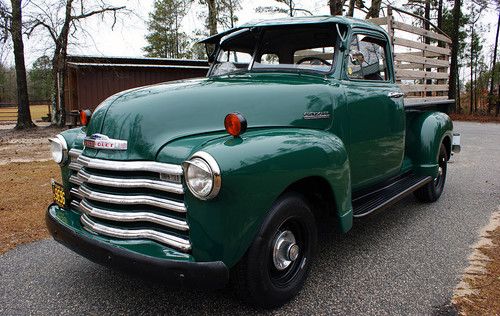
{"points": [[405, 260]]}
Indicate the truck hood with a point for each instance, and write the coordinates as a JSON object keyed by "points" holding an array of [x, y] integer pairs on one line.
{"points": [[151, 117]]}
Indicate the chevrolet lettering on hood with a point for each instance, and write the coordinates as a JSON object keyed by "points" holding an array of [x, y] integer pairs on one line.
{"points": [[99, 141]]}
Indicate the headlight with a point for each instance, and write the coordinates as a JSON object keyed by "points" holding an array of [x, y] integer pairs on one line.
{"points": [[59, 149], [202, 175]]}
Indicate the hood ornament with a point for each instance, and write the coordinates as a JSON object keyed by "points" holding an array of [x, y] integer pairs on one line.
{"points": [[100, 141]]}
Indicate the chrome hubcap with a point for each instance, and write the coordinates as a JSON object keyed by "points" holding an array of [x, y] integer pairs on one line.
{"points": [[285, 250]]}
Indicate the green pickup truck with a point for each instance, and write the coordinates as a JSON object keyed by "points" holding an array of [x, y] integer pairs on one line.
{"points": [[224, 179]]}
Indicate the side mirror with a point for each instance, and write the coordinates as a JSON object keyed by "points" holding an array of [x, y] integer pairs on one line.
{"points": [[357, 58]]}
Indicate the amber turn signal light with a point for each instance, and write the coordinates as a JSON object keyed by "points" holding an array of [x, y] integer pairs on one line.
{"points": [[235, 124], [85, 117]]}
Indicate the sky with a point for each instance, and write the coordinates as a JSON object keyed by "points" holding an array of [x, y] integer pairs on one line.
{"points": [[127, 38]]}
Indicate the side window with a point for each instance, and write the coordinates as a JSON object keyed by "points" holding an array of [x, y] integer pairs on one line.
{"points": [[235, 57], [367, 59]]}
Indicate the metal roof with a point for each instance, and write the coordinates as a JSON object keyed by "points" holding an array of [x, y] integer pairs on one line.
{"points": [[107, 61]]}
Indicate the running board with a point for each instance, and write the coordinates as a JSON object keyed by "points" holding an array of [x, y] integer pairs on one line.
{"points": [[388, 195]]}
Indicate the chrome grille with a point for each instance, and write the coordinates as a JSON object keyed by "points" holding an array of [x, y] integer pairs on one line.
{"points": [[130, 199]]}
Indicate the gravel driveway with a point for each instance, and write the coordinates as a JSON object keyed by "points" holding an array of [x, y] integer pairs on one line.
{"points": [[405, 260]]}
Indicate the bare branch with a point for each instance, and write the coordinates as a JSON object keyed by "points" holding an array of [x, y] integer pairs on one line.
{"points": [[91, 13], [38, 23]]}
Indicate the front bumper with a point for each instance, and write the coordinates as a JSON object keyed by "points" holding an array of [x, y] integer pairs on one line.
{"points": [[172, 272]]}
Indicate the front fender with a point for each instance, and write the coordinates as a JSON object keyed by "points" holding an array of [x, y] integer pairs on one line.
{"points": [[426, 132], [256, 169]]}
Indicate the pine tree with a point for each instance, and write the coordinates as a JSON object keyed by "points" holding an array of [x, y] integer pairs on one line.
{"points": [[165, 39], [40, 79]]}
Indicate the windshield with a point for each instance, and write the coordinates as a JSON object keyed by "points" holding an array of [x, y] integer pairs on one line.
{"points": [[292, 48]]}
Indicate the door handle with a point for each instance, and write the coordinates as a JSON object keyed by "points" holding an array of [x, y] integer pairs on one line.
{"points": [[395, 94]]}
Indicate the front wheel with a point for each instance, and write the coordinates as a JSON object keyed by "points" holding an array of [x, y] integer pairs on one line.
{"points": [[276, 265], [432, 190]]}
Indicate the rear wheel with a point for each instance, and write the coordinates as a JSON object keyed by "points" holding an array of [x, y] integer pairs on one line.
{"points": [[276, 265], [432, 190]]}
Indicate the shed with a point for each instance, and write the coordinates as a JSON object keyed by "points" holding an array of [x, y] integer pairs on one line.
{"points": [[90, 80]]}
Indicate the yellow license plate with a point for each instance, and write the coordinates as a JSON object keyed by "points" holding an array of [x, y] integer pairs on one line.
{"points": [[59, 194]]}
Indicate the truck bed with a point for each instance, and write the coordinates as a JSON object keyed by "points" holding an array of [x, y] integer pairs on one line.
{"points": [[423, 105], [421, 54]]}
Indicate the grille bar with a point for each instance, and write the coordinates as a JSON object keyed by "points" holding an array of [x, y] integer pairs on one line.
{"points": [[75, 192], [161, 237], [148, 180], [75, 204], [88, 209], [114, 165], [132, 199], [130, 183], [75, 166], [75, 180], [75, 153]]}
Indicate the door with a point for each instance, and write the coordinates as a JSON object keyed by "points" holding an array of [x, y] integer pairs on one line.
{"points": [[376, 112]]}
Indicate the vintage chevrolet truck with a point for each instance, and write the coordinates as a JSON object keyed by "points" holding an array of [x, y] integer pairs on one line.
{"points": [[225, 178]]}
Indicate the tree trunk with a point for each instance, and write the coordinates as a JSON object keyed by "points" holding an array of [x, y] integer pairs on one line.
{"points": [[497, 111], [212, 17], [471, 100], [440, 15], [336, 6], [350, 11], [491, 97], [23, 104], [374, 11], [455, 46], [476, 94], [427, 26]]}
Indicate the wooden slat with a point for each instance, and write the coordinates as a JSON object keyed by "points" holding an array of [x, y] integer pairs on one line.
{"points": [[416, 66], [409, 100], [425, 47], [420, 31], [424, 53], [423, 87], [378, 21], [416, 74], [421, 60]]}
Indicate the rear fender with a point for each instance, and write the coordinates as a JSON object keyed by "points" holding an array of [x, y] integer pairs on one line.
{"points": [[425, 133]]}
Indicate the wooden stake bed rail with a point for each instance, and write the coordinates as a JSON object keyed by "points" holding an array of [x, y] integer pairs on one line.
{"points": [[421, 56]]}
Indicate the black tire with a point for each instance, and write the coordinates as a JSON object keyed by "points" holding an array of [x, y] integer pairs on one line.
{"points": [[256, 278], [432, 190]]}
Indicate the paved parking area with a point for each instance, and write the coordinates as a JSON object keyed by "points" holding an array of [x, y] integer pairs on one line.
{"points": [[406, 260]]}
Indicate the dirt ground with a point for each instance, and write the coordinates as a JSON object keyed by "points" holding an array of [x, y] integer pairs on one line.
{"points": [[479, 291], [25, 146], [26, 193], [25, 172]]}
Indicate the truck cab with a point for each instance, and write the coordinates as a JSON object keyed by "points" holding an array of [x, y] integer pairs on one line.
{"points": [[225, 178]]}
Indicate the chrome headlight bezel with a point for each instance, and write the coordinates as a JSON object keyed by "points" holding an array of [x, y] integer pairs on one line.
{"points": [[215, 175], [59, 149]]}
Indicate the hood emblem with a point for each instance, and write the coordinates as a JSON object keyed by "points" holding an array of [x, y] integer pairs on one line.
{"points": [[316, 115], [99, 141]]}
